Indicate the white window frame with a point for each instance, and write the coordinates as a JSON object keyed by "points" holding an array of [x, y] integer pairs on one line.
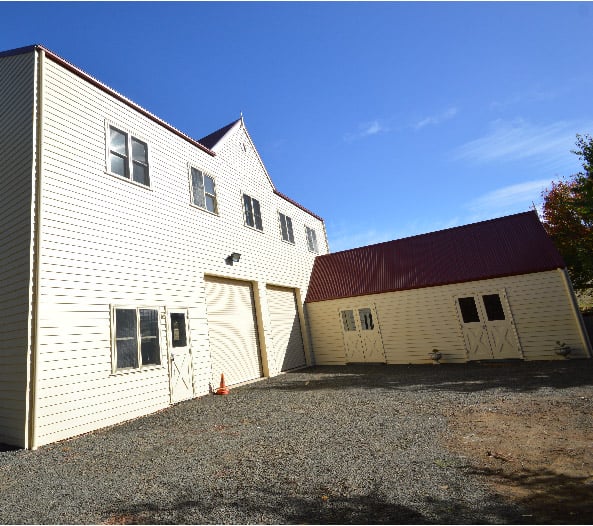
{"points": [[141, 366], [185, 312], [289, 231], [191, 190], [311, 241], [252, 211], [129, 161]]}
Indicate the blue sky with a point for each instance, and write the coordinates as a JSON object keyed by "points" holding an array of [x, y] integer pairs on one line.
{"points": [[387, 119]]}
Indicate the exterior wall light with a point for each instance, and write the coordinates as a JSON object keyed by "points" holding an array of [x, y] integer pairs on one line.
{"points": [[233, 258]]}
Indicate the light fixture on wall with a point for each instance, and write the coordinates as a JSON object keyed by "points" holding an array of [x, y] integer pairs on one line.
{"points": [[233, 258]]}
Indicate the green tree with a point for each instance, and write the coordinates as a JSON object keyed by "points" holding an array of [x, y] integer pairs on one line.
{"points": [[568, 218]]}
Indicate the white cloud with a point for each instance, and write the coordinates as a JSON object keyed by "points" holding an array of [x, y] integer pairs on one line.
{"points": [[372, 128], [508, 200], [516, 140], [367, 129], [378, 126], [526, 97], [436, 119]]}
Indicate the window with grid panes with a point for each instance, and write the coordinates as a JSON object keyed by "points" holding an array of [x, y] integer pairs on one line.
{"points": [[311, 239], [286, 228], [203, 191], [252, 212], [128, 156], [136, 338]]}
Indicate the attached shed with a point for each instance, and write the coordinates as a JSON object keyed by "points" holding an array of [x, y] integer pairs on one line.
{"points": [[491, 290]]}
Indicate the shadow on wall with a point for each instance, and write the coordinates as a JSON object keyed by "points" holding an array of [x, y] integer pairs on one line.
{"points": [[463, 378], [588, 319], [295, 341]]}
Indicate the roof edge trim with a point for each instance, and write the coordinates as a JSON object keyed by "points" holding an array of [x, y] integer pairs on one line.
{"points": [[106, 89], [19, 50], [293, 202]]}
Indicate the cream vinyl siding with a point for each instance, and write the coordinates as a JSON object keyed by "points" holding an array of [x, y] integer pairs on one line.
{"points": [[17, 151], [413, 322], [288, 350], [106, 241], [232, 329]]}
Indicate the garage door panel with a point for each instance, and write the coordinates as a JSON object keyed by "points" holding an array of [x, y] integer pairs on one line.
{"points": [[232, 330], [286, 329]]}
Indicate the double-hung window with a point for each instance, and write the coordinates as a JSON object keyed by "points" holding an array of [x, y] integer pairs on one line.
{"points": [[311, 239], [286, 228], [136, 338], [128, 156], [203, 191], [252, 212]]}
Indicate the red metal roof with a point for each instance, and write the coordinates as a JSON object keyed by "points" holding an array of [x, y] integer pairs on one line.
{"points": [[507, 246]]}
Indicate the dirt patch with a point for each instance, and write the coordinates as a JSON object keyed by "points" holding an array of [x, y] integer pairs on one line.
{"points": [[536, 450]]}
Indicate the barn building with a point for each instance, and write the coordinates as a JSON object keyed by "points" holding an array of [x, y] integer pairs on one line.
{"points": [[494, 290], [137, 263]]}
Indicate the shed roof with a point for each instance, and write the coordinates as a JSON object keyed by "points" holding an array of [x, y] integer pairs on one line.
{"points": [[506, 246]]}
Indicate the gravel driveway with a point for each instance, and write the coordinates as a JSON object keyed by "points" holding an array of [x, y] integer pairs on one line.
{"points": [[347, 444]]}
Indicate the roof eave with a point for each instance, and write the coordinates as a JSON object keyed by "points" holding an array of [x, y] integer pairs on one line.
{"points": [[106, 89]]}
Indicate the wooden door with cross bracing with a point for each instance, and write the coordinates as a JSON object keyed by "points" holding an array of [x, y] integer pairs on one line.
{"points": [[180, 358]]}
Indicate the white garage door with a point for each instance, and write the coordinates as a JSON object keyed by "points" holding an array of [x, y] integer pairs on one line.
{"points": [[286, 329], [232, 331]]}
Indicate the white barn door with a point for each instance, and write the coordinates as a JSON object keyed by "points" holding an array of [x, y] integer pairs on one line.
{"points": [[180, 362], [286, 329], [362, 335], [488, 326], [232, 331], [352, 342], [500, 326]]}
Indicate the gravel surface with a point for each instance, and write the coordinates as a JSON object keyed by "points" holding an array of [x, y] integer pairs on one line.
{"points": [[354, 444]]}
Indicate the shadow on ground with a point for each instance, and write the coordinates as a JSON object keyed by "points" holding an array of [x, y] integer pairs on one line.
{"points": [[464, 378], [551, 497], [270, 508]]}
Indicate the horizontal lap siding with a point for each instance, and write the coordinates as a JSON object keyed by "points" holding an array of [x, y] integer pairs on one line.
{"points": [[414, 322], [17, 105], [108, 242], [266, 259]]}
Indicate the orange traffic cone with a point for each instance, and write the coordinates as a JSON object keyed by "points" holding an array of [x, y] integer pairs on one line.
{"points": [[223, 389]]}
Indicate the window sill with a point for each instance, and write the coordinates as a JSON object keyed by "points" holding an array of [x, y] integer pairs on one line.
{"points": [[137, 370], [253, 228], [130, 181], [216, 214]]}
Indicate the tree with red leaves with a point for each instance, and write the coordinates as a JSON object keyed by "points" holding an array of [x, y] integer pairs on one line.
{"points": [[568, 218]]}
